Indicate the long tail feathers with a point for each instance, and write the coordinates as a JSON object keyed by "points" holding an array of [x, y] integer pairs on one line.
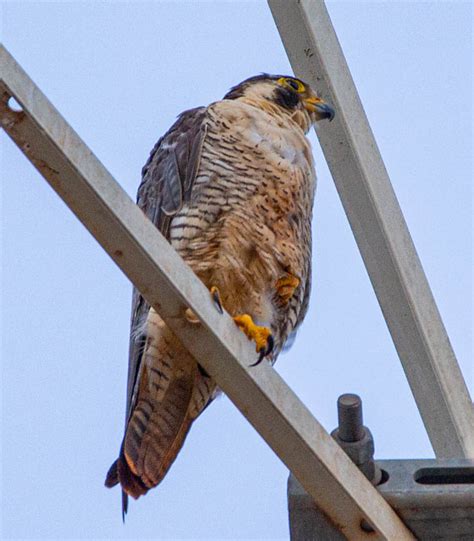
{"points": [[156, 432]]}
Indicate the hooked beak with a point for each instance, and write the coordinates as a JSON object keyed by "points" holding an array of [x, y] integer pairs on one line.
{"points": [[319, 107]]}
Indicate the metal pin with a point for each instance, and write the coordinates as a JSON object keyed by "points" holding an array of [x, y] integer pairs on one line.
{"points": [[349, 412]]}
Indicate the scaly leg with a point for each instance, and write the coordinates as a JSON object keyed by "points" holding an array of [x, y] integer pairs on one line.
{"points": [[261, 335]]}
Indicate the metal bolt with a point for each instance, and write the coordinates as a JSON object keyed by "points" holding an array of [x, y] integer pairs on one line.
{"points": [[354, 437], [349, 412]]}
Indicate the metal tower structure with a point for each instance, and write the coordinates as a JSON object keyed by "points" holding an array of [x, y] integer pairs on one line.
{"points": [[344, 496]]}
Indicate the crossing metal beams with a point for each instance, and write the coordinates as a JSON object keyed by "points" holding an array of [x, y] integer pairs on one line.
{"points": [[380, 230], [131, 240]]}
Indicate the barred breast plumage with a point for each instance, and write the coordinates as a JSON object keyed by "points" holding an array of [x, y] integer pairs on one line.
{"points": [[248, 220]]}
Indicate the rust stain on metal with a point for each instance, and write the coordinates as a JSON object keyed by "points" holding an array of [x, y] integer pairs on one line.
{"points": [[45, 167]]}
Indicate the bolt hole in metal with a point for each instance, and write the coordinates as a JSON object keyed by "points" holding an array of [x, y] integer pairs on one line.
{"points": [[13, 105], [385, 477], [445, 476]]}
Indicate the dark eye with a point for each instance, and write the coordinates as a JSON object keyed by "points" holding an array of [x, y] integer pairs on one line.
{"points": [[294, 84]]}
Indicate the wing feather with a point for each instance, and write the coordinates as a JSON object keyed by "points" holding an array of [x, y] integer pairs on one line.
{"points": [[167, 181]]}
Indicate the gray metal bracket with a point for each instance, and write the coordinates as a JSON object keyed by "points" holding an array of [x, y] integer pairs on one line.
{"points": [[434, 498]]}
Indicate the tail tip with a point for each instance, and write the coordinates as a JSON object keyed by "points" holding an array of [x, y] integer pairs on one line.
{"points": [[124, 505]]}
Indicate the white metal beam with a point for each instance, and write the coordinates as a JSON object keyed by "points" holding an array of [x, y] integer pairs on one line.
{"points": [[380, 230], [143, 254]]}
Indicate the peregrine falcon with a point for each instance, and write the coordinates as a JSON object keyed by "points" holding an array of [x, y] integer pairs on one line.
{"points": [[231, 187]]}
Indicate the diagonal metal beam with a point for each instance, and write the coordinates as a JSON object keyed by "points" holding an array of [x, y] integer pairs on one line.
{"points": [[143, 254], [380, 230]]}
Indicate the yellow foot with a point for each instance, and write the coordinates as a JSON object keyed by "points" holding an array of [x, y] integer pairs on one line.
{"points": [[262, 336], [286, 286]]}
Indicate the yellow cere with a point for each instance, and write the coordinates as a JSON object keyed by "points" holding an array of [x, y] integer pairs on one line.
{"points": [[292, 83]]}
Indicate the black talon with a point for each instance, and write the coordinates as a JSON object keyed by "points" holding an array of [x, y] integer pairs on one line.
{"points": [[261, 356], [270, 345], [217, 300], [264, 352]]}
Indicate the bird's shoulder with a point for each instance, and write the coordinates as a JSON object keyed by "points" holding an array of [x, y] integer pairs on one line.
{"points": [[184, 130], [168, 174]]}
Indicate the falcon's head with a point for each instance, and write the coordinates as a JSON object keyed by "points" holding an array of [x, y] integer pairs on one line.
{"points": [[292, 95]]}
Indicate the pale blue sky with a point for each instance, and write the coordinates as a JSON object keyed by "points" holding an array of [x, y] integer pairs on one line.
{"points": [[120, 73]]}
